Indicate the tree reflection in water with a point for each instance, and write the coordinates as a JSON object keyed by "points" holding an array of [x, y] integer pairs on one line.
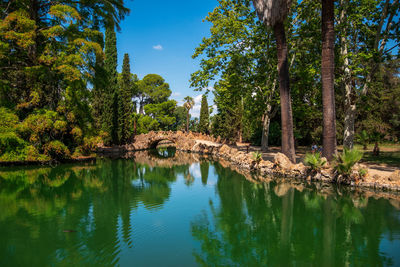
{"points": [[243, 223], [282, 224], [90, 202]]}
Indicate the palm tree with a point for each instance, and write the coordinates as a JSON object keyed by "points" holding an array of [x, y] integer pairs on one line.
{"points": [[273, 13], [327, 73], [188, 105]]}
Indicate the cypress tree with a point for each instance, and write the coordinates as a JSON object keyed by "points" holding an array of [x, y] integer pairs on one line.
{"points": [[98, 86], [204, 116], [125, 99], [110, 109]]}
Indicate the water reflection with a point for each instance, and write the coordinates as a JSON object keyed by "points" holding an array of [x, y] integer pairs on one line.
{"points": [[211, 209], [284, 224]]}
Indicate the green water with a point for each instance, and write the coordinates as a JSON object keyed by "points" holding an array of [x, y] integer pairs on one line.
{"points": [[155, 211]]}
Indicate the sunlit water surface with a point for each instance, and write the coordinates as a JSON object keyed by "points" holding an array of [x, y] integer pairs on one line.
{"points": [[155, 211]]}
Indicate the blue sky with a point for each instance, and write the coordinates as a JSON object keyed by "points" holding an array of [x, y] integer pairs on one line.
{"points": [[160, 37]]}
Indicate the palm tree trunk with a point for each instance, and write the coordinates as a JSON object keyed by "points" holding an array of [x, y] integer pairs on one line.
{"points": [[187, 121], [327, 72], [286, 103]]}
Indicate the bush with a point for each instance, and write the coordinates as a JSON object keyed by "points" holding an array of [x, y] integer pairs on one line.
{"points": [[9, 141], [8, 120], [56, 150], [34, 155], [89, 146], [363, 139], [257, 157], [314, 161], [346, 161]]}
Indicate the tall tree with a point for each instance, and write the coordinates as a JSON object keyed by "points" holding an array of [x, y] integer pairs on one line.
{"points": [[110, 113], [125, 105], [204, 116], [327, 74], [363, 48], [152, 89], [273, 13], [189, 103]]}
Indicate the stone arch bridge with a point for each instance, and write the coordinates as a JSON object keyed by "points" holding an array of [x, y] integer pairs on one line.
{"points": [[182, 141]]}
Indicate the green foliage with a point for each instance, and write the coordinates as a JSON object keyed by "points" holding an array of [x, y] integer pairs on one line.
{"points": [[12, 148], [314, 161], [257, 157], [111, 93], [49, 52], [204, 116], [125, 107], [346, 161], [180, 118], [146, 124], [8, 120], [163, 113], [363, 139], [56, 150], [152, 89]]}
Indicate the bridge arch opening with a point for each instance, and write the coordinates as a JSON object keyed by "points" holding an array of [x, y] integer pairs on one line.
{"points": [[163, 148]]}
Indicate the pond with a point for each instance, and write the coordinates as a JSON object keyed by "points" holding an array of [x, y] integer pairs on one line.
{"points": [[178, 210]]}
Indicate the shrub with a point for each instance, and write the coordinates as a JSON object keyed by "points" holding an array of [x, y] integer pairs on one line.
{"points": [[77, 134], [257, 157], [12, 148], [346, 161], [8, 120], [9, 141], [363, 139], [90, 144], [56, 150], [33, 154], [314, 161]]}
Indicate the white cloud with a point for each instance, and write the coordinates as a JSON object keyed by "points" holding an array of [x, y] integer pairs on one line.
{"points": [[158, 47], [176, 94]]}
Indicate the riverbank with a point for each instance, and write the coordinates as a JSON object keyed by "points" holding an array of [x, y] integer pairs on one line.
{"points": [[282, 167], [47, 162]]}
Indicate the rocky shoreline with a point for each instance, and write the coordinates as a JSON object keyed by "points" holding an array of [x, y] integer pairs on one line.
{"points": [[242, 161], [281, 166]]}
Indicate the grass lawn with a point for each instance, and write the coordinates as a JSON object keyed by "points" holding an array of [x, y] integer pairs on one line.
{"points": [[389, 154]]}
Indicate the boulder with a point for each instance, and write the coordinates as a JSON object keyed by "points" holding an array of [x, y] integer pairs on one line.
{"points": [[395, 176], [282, 161], [299, 168], [224, 150]]}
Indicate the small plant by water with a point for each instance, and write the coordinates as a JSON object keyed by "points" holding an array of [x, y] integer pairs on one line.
{"points": [[314, 161], [345, 163], [257, 157]]}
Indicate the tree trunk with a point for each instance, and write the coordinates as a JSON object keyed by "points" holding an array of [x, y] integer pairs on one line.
{"points": [[187, 121], [349, 101], [286, 105], [327, 73], [141, 112], [349, 118], [265, 132]]}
